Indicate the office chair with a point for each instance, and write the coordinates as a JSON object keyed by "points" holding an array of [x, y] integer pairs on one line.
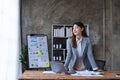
{"points": [[100, 64]]}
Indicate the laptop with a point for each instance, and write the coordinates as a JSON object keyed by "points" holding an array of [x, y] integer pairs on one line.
{"points": [[58, 67]]}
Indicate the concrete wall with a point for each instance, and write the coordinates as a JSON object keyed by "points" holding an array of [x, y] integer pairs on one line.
{"points": [[115, 35], [37, 16]]}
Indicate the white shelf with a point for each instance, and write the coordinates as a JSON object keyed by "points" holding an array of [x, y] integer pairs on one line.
{"points": [[60, 33]]}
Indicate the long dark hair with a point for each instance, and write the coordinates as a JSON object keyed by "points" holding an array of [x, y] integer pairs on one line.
{"points": [[84, 34]]}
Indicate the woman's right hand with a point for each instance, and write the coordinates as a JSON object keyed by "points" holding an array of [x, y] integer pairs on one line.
{"points": [[99, 70]]}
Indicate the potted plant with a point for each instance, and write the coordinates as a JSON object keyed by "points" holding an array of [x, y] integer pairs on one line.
{"points": [[24, 57]]}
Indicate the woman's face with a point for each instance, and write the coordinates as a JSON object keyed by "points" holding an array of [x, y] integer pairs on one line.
{"points": [[77, 30]]}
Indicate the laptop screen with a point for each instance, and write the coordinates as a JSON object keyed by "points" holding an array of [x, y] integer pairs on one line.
{"points": [[57, 67]]}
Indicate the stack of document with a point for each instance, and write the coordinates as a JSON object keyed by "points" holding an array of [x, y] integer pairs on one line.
{"points": [[87, 73], [49, 72]]}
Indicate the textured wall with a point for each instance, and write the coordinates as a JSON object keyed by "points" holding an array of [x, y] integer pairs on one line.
{"points": [[37, 16], [116, 35]]}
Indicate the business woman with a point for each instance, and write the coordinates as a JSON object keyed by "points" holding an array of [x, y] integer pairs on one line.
{"points": [[79, 50]]}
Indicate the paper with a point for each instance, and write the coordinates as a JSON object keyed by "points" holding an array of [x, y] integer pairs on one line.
{"points": [[40, 52], [118, 75], [86, 73], [47, 64], [49, 72]]}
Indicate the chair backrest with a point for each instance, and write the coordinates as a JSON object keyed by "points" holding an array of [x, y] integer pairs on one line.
{"points": [[100, 64]]}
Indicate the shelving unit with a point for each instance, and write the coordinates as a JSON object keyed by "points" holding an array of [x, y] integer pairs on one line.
{"points": [[60, 32]]}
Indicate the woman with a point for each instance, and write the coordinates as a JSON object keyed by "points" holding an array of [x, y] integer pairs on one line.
{"points": [[79, 50]]}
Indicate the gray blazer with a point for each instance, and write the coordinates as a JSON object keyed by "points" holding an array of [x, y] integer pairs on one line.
{"points": [[87, 58]]}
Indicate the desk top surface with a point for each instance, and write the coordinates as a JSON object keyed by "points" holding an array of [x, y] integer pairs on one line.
{"points": [[38, 75]]}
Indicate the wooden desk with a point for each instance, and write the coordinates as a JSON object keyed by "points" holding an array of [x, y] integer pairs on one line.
{"points": [[38, 75]]}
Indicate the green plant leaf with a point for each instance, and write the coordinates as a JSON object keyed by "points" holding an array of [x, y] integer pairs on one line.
{"points": [[23, 57]]}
